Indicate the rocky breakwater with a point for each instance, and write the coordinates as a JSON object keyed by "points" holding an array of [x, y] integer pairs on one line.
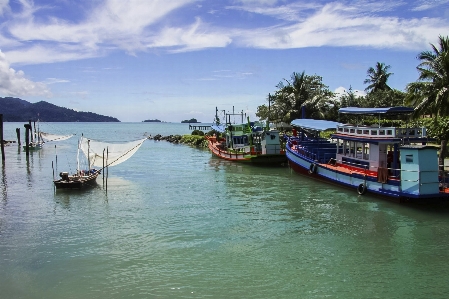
{"points": [[194, 140]]}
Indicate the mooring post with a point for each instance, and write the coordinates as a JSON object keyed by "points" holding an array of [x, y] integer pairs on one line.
{"points": [[18, 135], [27, 138], [1, 139], [30, 131]]}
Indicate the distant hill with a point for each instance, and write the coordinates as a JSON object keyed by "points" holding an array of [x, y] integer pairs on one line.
{"points": [[18, 110]]}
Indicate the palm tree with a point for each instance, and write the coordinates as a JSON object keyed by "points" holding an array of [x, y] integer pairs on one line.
{"points": [[431, 93], [377, 78]]}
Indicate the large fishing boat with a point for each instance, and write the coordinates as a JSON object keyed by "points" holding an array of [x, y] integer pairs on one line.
{"points": [[395, 162], [247, 142]]}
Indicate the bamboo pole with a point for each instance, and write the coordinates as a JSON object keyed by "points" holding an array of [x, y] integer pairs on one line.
{"points": [[1, 139]]}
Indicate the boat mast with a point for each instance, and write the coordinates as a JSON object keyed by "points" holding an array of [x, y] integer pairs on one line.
{"points": [[88, 154], [78, 155]]}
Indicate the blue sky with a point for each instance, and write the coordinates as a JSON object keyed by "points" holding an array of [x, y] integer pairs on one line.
{"points": [[179, 59]]}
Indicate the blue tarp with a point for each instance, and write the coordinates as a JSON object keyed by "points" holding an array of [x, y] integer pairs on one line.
{"points": [[375, 111], [218, 128], [315, 124]]}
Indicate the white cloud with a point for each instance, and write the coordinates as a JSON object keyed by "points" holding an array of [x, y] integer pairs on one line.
{"points": [[426, 4], [340, 91], [114, 24], [14, 83], [55, 53], [138, 25], [338, 25], [49, 81], [191, 38], [4, 7]]}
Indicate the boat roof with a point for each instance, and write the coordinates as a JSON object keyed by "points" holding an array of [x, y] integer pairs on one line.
{"points": [[375, 111], [219, 128], [315, 124]]}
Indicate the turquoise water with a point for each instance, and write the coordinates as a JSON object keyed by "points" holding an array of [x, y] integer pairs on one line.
{"points": [[176, 222]]}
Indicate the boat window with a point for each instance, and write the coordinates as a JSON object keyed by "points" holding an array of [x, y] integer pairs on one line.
{"points": [[409, 158], [351, 130], [366, 151], [359, 131], [381, 132], [366, 132], [373, 132], [346, 130], [389, 132]]}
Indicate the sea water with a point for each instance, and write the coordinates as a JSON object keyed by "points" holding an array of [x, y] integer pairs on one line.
{"points": [[175, 222]]}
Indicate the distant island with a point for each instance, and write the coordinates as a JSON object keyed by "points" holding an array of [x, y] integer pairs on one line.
{"points": [[152, 121], [190, 121], [18, 110]]}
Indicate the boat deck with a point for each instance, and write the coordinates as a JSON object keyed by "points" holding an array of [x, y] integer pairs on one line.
{"points": [[348, 169]]}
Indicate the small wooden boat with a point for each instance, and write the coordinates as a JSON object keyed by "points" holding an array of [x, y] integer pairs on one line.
{"points": [[99, 154], [77, 181], [42, 137]]}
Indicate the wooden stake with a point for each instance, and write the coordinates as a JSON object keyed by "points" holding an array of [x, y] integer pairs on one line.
{"points": [[27, 138], [1, 139], [18, 136]]}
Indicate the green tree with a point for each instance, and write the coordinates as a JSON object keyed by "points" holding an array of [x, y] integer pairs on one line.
{"points": [[430, 94], [382, 99], [377, 78], [300, 91]]}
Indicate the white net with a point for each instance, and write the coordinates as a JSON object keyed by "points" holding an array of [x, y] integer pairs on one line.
{"points": [[113, 153], [52, 137]]}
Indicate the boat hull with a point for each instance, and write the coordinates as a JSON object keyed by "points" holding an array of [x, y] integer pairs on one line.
{"points": [[77, 182], [253, 158], [357, 180]]}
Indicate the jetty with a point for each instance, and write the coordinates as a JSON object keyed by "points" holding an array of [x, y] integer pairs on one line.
{"points": [[199, 127]]}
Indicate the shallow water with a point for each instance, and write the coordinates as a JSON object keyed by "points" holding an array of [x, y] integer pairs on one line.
{"points": [[176, 222]]}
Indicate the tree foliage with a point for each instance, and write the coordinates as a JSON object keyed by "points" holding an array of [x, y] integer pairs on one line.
{"points": [[377, 78], [430, 94], [302, 90]]}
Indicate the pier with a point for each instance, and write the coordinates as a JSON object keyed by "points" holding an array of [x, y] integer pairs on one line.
{"points": [[199, 127]]}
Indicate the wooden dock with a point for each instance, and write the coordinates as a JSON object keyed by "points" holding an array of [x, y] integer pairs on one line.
{"points": [[199, 127]]}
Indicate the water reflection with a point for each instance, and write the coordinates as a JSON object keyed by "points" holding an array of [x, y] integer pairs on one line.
{"points": [[4, 184]]}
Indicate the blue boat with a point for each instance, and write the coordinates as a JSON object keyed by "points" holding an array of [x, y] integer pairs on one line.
{"points": [[393, 162]]}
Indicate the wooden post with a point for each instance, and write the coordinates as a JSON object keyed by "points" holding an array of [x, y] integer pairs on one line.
{"points": [[30, 131], [18, 135], [1, 139], [27, 138]]}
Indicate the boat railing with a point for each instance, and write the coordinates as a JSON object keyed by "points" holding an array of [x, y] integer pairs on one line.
{"points": [[376, 131]]}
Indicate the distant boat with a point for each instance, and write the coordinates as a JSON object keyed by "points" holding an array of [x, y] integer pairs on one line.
{"points": [[394, 162], [247, 142], [41, 137], [99, 154]]}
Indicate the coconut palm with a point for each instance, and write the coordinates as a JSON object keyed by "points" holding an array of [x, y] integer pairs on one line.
{"points": [[377, 78], [430, 94]]}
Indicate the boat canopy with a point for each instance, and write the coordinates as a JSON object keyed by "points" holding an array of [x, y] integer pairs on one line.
{"points": [[376, 111], [218, 128], [315, 124]]}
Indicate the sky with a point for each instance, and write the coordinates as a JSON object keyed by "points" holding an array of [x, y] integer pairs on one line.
{"points": [[174, 60]]}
